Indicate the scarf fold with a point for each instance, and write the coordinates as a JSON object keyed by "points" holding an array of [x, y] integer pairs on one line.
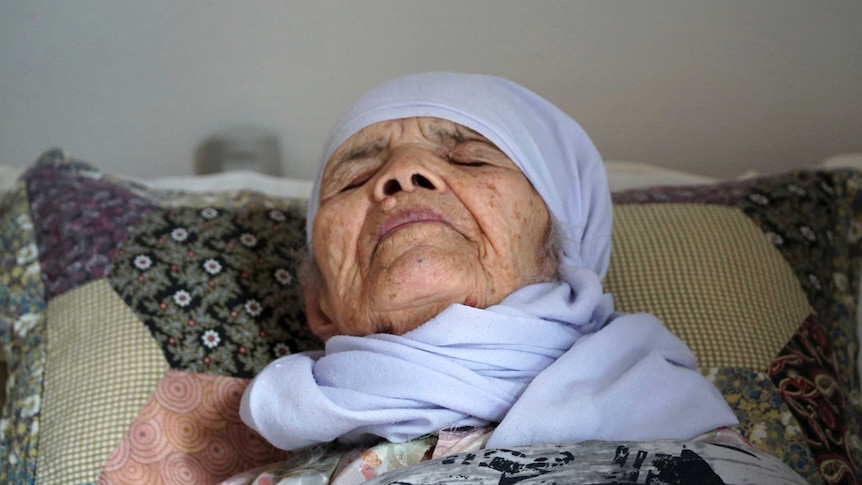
{"points": [[552, 362], [542, 380]]}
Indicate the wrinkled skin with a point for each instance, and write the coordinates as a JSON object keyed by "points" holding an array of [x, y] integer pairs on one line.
{"points": [[416, 214]]}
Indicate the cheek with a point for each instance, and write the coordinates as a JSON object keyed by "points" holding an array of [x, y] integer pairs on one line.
{"points": [[535, 218], [520, 209], [525, 219], [334, 232]]}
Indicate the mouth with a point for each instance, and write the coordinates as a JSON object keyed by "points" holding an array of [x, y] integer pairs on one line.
{"points": [[403, 219]]}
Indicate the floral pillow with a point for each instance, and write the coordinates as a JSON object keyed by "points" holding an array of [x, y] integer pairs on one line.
{"points": [[131, 320]]}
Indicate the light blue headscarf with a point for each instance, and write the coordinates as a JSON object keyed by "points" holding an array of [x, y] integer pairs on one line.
{"points": [[551, 363], [552, 150]]}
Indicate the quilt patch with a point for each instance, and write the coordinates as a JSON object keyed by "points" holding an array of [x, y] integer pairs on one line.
{"points": [[189, 431], [218, 287]]}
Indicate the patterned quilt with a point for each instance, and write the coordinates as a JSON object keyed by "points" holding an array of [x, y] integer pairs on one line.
{"points": [[132, 319]]}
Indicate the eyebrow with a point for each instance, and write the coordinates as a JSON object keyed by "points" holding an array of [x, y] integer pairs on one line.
{"points": [[376, 147], [451, 135], [365, 151]]}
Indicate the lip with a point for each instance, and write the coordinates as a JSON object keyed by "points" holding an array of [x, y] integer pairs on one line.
{"points": [[407, 217]]}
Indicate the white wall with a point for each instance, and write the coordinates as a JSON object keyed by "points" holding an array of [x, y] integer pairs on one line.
{"points": [[719, 87]]}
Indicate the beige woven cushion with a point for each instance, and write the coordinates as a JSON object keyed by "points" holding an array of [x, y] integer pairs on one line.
{"points": [[711, 276], [104, 366]]}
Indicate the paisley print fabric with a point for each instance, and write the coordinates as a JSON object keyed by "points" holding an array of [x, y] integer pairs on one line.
{"points": [[814, 372], [83, 221], [765, 419], [727, 193], [804, 374], [22, 328]]}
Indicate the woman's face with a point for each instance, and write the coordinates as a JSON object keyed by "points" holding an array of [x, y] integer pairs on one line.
{"points": [[416, 214]]}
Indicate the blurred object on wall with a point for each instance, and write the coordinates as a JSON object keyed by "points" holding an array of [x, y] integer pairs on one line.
{"points": [[245, 147]]}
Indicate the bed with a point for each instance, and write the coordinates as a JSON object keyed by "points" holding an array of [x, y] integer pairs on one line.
{"points": [[134, 312]]}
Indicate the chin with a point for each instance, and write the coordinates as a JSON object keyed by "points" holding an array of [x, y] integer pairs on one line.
{"points": [[399, 320], [420, 292]]}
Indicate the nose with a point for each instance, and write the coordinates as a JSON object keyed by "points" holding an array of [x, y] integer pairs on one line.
{"points": [[408, 171]]}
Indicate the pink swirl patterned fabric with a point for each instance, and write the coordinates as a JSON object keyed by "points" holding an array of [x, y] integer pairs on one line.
{"points": [[188, 432]]}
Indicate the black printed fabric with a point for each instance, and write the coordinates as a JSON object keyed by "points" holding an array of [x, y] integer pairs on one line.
{"points": [[601, 463], [218, 287]]}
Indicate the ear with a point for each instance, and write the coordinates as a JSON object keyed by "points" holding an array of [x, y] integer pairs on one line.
{"points": [[318, 321]]}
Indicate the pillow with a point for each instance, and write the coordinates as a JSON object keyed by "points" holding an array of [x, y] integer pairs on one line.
{"points": [[624, 175], [131, 320], [279, 187], [760, 278], [133, 317]]}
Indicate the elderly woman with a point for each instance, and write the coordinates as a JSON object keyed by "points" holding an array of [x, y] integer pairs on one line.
{"points": [[460, 229]]}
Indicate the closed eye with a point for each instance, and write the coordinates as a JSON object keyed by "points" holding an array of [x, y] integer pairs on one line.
{"points": [[467, 163], [355, 184], [356, 173]]}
